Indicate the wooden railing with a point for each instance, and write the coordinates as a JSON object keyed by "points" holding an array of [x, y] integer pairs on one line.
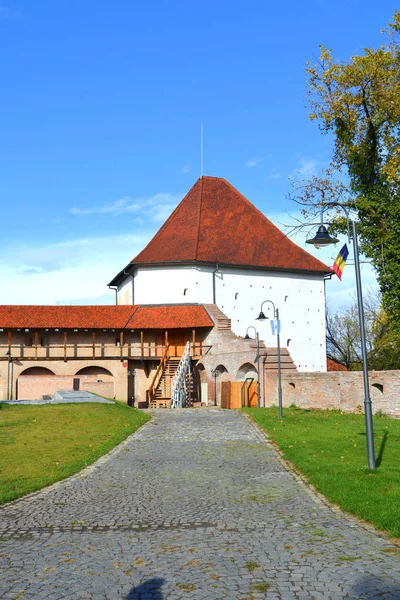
{"points": [[157, 377], [137, 350]]}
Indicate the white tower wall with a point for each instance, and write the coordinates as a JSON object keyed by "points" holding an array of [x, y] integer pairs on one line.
{"points": [[239, 293]]}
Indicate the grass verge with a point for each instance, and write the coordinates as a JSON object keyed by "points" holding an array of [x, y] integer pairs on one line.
{"points": [[329, 448], [40, 445]]}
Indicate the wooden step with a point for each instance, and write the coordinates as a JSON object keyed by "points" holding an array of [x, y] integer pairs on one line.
{"points": [[160, 403]]}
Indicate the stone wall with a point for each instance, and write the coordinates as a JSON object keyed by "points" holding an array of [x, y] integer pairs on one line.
{"points": [[335, 390]]}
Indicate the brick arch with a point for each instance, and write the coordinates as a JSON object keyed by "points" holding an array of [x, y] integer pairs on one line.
{"points": [[35, 382], [246, 370], [201, 372], [96, 379], [36, 371], [222, 369], [94, 370]]}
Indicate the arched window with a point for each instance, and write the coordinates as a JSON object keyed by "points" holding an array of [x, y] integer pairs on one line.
{"points": [[378, 386]]}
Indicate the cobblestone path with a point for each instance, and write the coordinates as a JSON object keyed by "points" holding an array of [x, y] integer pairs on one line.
{"points": [[194, 505]]}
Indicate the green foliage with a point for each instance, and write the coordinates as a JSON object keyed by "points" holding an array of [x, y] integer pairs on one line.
{"points": [[359, 103], [40, 445], [329, 447], [382, 339]]}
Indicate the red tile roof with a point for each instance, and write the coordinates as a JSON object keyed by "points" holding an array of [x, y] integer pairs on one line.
{"points": [[215, 223], [104, 317], [333, 365], [170, 317]]}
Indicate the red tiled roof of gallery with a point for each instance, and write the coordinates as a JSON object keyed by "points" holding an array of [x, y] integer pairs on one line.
{"points": [[104, 317], [214, 223]]}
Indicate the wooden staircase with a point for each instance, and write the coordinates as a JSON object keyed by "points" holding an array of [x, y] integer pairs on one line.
{"points": [[162, 392]]}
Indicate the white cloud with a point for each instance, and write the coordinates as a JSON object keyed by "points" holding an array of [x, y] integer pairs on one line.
{"points": [[151, 207], [161, 212], [76, 270], [276, 175], [251, 163], [186, 169], [306, 167]]}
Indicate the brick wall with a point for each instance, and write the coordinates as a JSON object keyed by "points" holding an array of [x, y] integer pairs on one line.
{"points": [[69, 370], [336, 390], [33, 387]]}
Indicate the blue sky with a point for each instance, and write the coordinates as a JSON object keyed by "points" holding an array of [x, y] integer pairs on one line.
{"points": [[100, 112]]}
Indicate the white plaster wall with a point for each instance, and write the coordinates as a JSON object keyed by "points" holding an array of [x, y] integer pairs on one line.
{"points": [[301, 303], [124, 292], [239, 294], [166, 285]]}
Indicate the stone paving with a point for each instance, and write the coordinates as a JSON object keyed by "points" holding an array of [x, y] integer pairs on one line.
{"points": [[197, 505]]}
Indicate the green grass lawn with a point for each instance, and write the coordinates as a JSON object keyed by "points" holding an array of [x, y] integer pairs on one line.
{"points": [[43, 444], [329, 448]]}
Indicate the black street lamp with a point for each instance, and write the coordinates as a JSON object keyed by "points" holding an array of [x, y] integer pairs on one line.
{"points": [[215, 373], [131, 387], [262, 317], [322, 239], [257, 360], [10, 371]]}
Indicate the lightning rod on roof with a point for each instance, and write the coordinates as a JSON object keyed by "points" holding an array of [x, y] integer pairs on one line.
{"points": [[201, 149]]}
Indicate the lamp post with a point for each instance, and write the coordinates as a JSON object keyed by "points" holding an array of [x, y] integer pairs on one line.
{"points": [[262, 317], [9, 370], [322, 239], [131, 387], [257, 360], [215, 373]]}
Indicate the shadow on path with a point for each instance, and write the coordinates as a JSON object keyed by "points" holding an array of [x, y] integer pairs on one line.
{"points": [[373, 587], [150, 589]]}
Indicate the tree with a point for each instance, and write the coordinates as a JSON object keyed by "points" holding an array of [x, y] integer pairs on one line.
{"points": [[343, 339], [359, 103]]}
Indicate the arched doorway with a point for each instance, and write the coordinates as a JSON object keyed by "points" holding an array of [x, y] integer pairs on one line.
{"points": [[219, 374], [95, 379], [200, 383], [34, 383], [246, 370], [249, 392]]}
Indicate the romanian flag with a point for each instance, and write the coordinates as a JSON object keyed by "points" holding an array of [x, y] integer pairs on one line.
{"points": [[340, 262]]}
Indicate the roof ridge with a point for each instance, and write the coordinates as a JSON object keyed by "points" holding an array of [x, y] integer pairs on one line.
{"points": [[135, 307], [254, 208]]}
